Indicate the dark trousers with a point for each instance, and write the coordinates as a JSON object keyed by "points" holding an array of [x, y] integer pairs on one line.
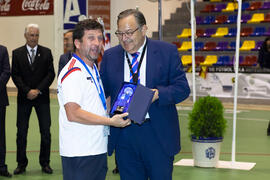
{"points": [[44, 120], [85, 167], [140, 156], [3, 166]]}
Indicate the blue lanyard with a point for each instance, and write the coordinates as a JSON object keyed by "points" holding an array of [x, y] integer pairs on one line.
{"points": [[99, 89]]}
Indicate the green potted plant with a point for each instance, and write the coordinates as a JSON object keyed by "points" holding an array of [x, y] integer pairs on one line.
{"points": [[207, 126]]}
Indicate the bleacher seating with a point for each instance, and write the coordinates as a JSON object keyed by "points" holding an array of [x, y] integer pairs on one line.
{"points": [[267, 33], [232, 19], [219, 7], [241, 59], [246, 31], [256, 18], [254, 6], [222, 46], [249, 61], [186, 45], [220, 19], [232, 32], [199, 46], [199, 32], [265, 6], [223, 61], [209, 46], [209, 20], [208, 8], [209, 60], [258, 31], [245, 5], [257, 46], [231, 6], [266, 18], [185, 33], [247, 45], [209, 32], [216, 31], [186, 60], [221, 32], [245, 18], [199, 20], [199, 60]]}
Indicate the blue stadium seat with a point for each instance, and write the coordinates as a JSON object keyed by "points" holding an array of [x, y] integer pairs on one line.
{"points": [[258, 31], [245, 5], [209, 20], [232, 32], [232, 19], [199, 46]]}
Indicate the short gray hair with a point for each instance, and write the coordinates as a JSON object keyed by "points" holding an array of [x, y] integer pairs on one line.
{"points": [[31, 26]]}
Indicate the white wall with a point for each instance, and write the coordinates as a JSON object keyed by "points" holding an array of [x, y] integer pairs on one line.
{"points": [[148, 8], [51, 34]]}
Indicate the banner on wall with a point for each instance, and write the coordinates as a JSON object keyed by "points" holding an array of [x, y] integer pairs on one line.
{"points": [[255, 86], [26, 7], [100, 9], [74, 11]]}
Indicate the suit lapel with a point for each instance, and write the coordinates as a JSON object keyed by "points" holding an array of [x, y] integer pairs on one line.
{"points": [[120, 65], [36, 57], [25, 59], [151, 63]]}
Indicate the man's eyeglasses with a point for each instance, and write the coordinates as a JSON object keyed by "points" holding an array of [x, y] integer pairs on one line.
{"points": [[127, 33]]}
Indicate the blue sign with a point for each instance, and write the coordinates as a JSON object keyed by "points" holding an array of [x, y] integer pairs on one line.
{"points": [[74, 11]]}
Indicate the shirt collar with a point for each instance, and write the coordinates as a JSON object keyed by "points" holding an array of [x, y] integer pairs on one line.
{"points": [[29, 48], [141, 48]]}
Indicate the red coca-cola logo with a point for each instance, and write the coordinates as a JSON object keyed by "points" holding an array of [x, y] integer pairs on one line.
{"points": [[35, 5]]}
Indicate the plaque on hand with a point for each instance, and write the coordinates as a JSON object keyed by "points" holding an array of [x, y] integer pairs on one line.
{"points": [[134, 99]]}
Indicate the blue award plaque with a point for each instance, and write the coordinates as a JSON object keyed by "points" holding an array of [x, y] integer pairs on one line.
{"points": [[134, 99], [124, 97]]}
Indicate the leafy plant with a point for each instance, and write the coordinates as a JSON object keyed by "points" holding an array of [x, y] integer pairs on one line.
{"points": [[206, 119]]}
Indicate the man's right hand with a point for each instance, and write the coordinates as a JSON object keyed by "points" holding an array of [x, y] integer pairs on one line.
{"points": [[118, 121]]}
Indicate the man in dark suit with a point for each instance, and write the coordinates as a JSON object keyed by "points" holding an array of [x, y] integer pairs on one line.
{"points": [[68, 49], [4, 77], [33, 73], [147, 150]]}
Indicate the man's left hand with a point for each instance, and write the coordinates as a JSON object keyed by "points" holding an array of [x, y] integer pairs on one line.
{"points": [[32, 94], [155, 97]]}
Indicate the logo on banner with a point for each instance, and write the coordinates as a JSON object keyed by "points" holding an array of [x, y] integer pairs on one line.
{"points": [[74, 11], [26, 7], [4, 5], [33, 5]]}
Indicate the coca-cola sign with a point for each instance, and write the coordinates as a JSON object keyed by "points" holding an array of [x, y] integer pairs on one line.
{"points": [[26, 7]]}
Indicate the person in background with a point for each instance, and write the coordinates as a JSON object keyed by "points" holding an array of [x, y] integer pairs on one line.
{"points": [[4, 77], [68, 50], [147, 150], [264, 54], [32, 72], [83, 121], [264, 62]]}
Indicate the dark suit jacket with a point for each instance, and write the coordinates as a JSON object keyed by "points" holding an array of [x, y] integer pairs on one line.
{"points": [[64, 58], [39, 75], [4, 75], [163, 72]]}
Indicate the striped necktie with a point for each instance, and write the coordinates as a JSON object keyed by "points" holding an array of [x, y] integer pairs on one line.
{"points": [[32, 58], [134, 65]]}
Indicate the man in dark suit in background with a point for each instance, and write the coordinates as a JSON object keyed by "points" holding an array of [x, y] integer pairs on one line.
{"points": [[147, 150], [68, 50], [4, 77], [33, 73]]}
